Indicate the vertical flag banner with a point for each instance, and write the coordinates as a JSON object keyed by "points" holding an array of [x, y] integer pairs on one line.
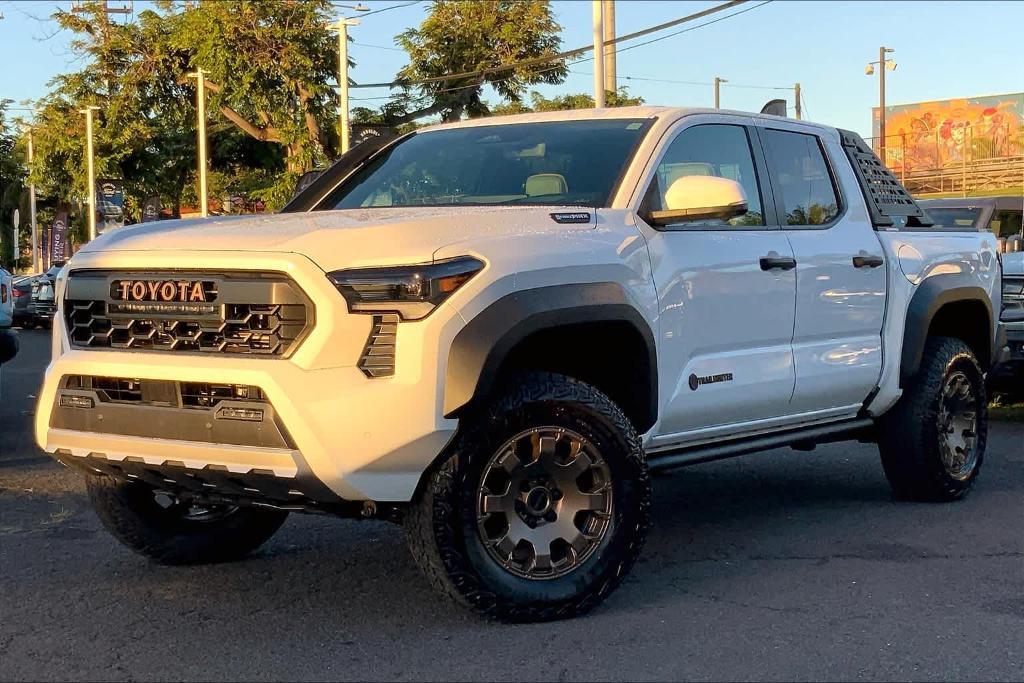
{"points": [[110, 201], [58, 237]]}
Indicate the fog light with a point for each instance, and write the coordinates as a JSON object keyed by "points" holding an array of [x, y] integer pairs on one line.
{"points": [[76, 402], [247, 414]]}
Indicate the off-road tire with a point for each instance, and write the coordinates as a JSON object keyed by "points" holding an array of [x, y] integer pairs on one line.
{"points": [[130, 512], [909, 440], [441, 526]]}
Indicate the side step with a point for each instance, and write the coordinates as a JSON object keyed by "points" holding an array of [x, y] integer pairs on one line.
{"points": [[804, 438]]}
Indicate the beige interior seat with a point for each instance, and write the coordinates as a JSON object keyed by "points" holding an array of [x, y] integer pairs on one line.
{"points": [[544, 184], [674, 172]]}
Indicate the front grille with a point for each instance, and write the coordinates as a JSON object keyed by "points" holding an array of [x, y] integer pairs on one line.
{"points": [[164, 392], [208, 395], [253, 313]]}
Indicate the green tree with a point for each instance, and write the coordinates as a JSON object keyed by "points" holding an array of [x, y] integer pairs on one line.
{"points": [[620, 98], [12, 176], [271, 67], [462, 36]]}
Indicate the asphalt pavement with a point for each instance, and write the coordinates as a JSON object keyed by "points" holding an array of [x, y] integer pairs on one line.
{"points": [[778, 566]]}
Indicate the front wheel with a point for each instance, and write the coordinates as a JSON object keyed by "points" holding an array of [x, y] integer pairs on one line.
{"points": [[541, 508], [170, 530], [932, 442]]}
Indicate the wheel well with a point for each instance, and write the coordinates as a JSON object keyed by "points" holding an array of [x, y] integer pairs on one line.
{"points": [[609, 355], [967, 321]]}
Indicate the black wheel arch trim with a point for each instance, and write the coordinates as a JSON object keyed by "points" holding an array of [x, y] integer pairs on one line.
{"points": [[931, 296], [479, 349]]}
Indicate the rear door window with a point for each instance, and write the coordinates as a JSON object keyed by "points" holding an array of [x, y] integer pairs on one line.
{"points": [[801, 178]]}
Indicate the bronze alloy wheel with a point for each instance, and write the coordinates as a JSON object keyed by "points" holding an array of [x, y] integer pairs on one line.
{"points": [[958, 426], [544, 503]]}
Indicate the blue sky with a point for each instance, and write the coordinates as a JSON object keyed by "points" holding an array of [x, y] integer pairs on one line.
{"points": [[943, 50]]}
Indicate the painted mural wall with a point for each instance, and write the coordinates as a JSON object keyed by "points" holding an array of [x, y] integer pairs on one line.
{"points": [[926, 135]]}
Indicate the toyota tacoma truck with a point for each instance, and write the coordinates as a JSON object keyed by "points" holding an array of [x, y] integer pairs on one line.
{"points": [[494, 331]]}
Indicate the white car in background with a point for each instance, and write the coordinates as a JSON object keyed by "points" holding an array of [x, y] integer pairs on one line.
{"points": [[6, 299]]}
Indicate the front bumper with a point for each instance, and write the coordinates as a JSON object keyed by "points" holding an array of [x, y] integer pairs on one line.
{"points": [[364, 439]]}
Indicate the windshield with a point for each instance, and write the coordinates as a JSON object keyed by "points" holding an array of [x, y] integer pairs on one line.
{"points": [[553, 163], [955, 217]]}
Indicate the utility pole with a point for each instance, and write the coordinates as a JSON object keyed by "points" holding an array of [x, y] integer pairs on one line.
{"points": [[199, 75], [718, 84], [611, 81], [91, 169], [341, 26], [84, 6], [798, 107], [883, 66], [598, 10]]}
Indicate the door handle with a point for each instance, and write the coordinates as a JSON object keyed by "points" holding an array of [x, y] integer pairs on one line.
{"points": [[866, 260], [775, 262]]}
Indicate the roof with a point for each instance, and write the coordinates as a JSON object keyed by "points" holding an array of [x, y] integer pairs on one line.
{"points": [[639, 112], [1001, 203]]}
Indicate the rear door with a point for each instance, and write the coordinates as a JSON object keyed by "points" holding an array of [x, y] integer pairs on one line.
{"points": [[840, 273], [726, 290]]}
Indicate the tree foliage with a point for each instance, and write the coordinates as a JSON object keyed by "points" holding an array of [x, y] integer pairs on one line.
{"points": [[12, 176], [620, 98], [469, 36]]}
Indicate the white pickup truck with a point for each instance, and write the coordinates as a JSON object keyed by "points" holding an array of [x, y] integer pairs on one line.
{"points": [[494, 330]]}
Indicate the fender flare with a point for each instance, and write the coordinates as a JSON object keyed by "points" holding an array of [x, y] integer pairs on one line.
{"points": [[934, 293], [480, 348]]}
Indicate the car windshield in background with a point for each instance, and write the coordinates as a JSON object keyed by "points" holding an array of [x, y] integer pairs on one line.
{"points": [[951, 217], [553, 163]]}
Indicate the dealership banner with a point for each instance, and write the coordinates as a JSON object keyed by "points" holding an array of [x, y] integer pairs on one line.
{"points": [[110, 200], [57, 242], [151, 210]]}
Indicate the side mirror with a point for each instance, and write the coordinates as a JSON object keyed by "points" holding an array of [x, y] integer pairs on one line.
{"points": [[700, 197]]}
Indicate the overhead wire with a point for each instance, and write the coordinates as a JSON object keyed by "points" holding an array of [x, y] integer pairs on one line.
{"points": [[568, 53]]}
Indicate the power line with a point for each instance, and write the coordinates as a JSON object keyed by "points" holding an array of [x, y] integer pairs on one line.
{"points": [[728, 84], [379, 47], [692, 28], [568, 53], [388, 9]]}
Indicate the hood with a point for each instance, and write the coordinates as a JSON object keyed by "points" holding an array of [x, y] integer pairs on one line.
{"points": [[1013, 263], [349, 237]]}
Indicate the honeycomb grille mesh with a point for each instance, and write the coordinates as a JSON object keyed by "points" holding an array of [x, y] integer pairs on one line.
{"points": [[271, 327]]}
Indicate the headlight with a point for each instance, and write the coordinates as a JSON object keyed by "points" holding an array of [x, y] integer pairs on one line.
{"points": [[410, 291]]}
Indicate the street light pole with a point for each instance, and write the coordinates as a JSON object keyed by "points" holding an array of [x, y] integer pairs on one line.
{"points": [[199, 75], [341, 26], [718, 85], [883, 65], [796, 98], [32, 208], [91, 169], [598, 11]]}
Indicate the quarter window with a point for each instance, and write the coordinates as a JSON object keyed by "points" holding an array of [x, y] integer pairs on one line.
{"points": [[710, 150], [801, 178]]}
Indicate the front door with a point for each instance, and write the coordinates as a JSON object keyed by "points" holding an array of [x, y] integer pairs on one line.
{"points": [[726, 290]]}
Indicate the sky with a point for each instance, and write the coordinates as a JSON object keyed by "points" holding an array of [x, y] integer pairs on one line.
{"points": [[942, 50]]}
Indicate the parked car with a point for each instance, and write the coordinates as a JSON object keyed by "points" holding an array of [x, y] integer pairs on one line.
{"points": [[43, 305], [1008, 378], [22, 291], [6, 299], [1001, 215], [8, 342], [494, 330]]}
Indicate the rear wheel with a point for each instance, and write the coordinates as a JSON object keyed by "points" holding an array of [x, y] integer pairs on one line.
{"points": [[932, 442], [171, 530], [542, 507]]}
